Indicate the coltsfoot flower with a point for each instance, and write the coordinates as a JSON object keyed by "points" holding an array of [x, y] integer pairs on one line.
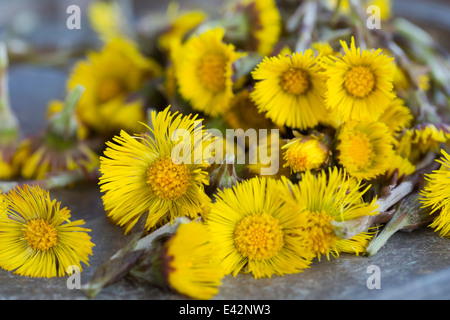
{"points": [[256, 232], [435, 195], [359, 83], [289, 89], [305, 153], [139, 175], [365, 149], [204, 72], [322, 200], [110, 77], [186, 263]]}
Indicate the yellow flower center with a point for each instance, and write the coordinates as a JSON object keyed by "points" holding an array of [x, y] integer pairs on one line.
{"points": [[319, 232], [359, 151], [40, 235], [298, 161], [295, 81], [258, 237], [359, 81], [211, 71], [108, 89], [168, 180]]}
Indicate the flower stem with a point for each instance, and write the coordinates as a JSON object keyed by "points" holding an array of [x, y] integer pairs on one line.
{"points": [[9, 124]]}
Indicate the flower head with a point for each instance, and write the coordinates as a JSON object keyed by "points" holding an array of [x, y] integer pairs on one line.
{"points": [[435, 195], [110, 77], [38, 238], [323, 199], [401, 166], [106, 19], [290, 90], [266, 160], [365, 149], [397, 116], [422, 138], [190, 262], [262, 23], [140, 174], [305, 153], [256, 231], [359, 83], [243, 114], [204, 72], [179, 23]]}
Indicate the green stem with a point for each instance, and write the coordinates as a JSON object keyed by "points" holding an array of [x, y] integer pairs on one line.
{"points": [[398, 222], [9, 124], [63, 123]]}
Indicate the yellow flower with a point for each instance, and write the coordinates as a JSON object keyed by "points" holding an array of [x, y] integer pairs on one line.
{"points": [[38, 239], [256, 232], [323, 48], [365, 149], [290, 90], [3, 207], [305, 153], [11, 160], [139, 173], [191, 262], [106, 19], [45, 157], [345, 8], [266, 159], [322, 200], [110, 77], [422, 138], [179, 24], [401, 80], [263, 22], [401, 165], [385, 8], [436, 196], [359, 83], [243, 114], [55, 106], [397, 116], [59, 148], [204, 72]]}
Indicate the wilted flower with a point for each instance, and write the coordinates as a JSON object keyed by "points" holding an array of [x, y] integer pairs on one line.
{"points": [[59, 149]]}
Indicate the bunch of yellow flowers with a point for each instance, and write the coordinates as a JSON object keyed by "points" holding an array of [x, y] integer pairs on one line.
{"points": [[349, 116]]}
